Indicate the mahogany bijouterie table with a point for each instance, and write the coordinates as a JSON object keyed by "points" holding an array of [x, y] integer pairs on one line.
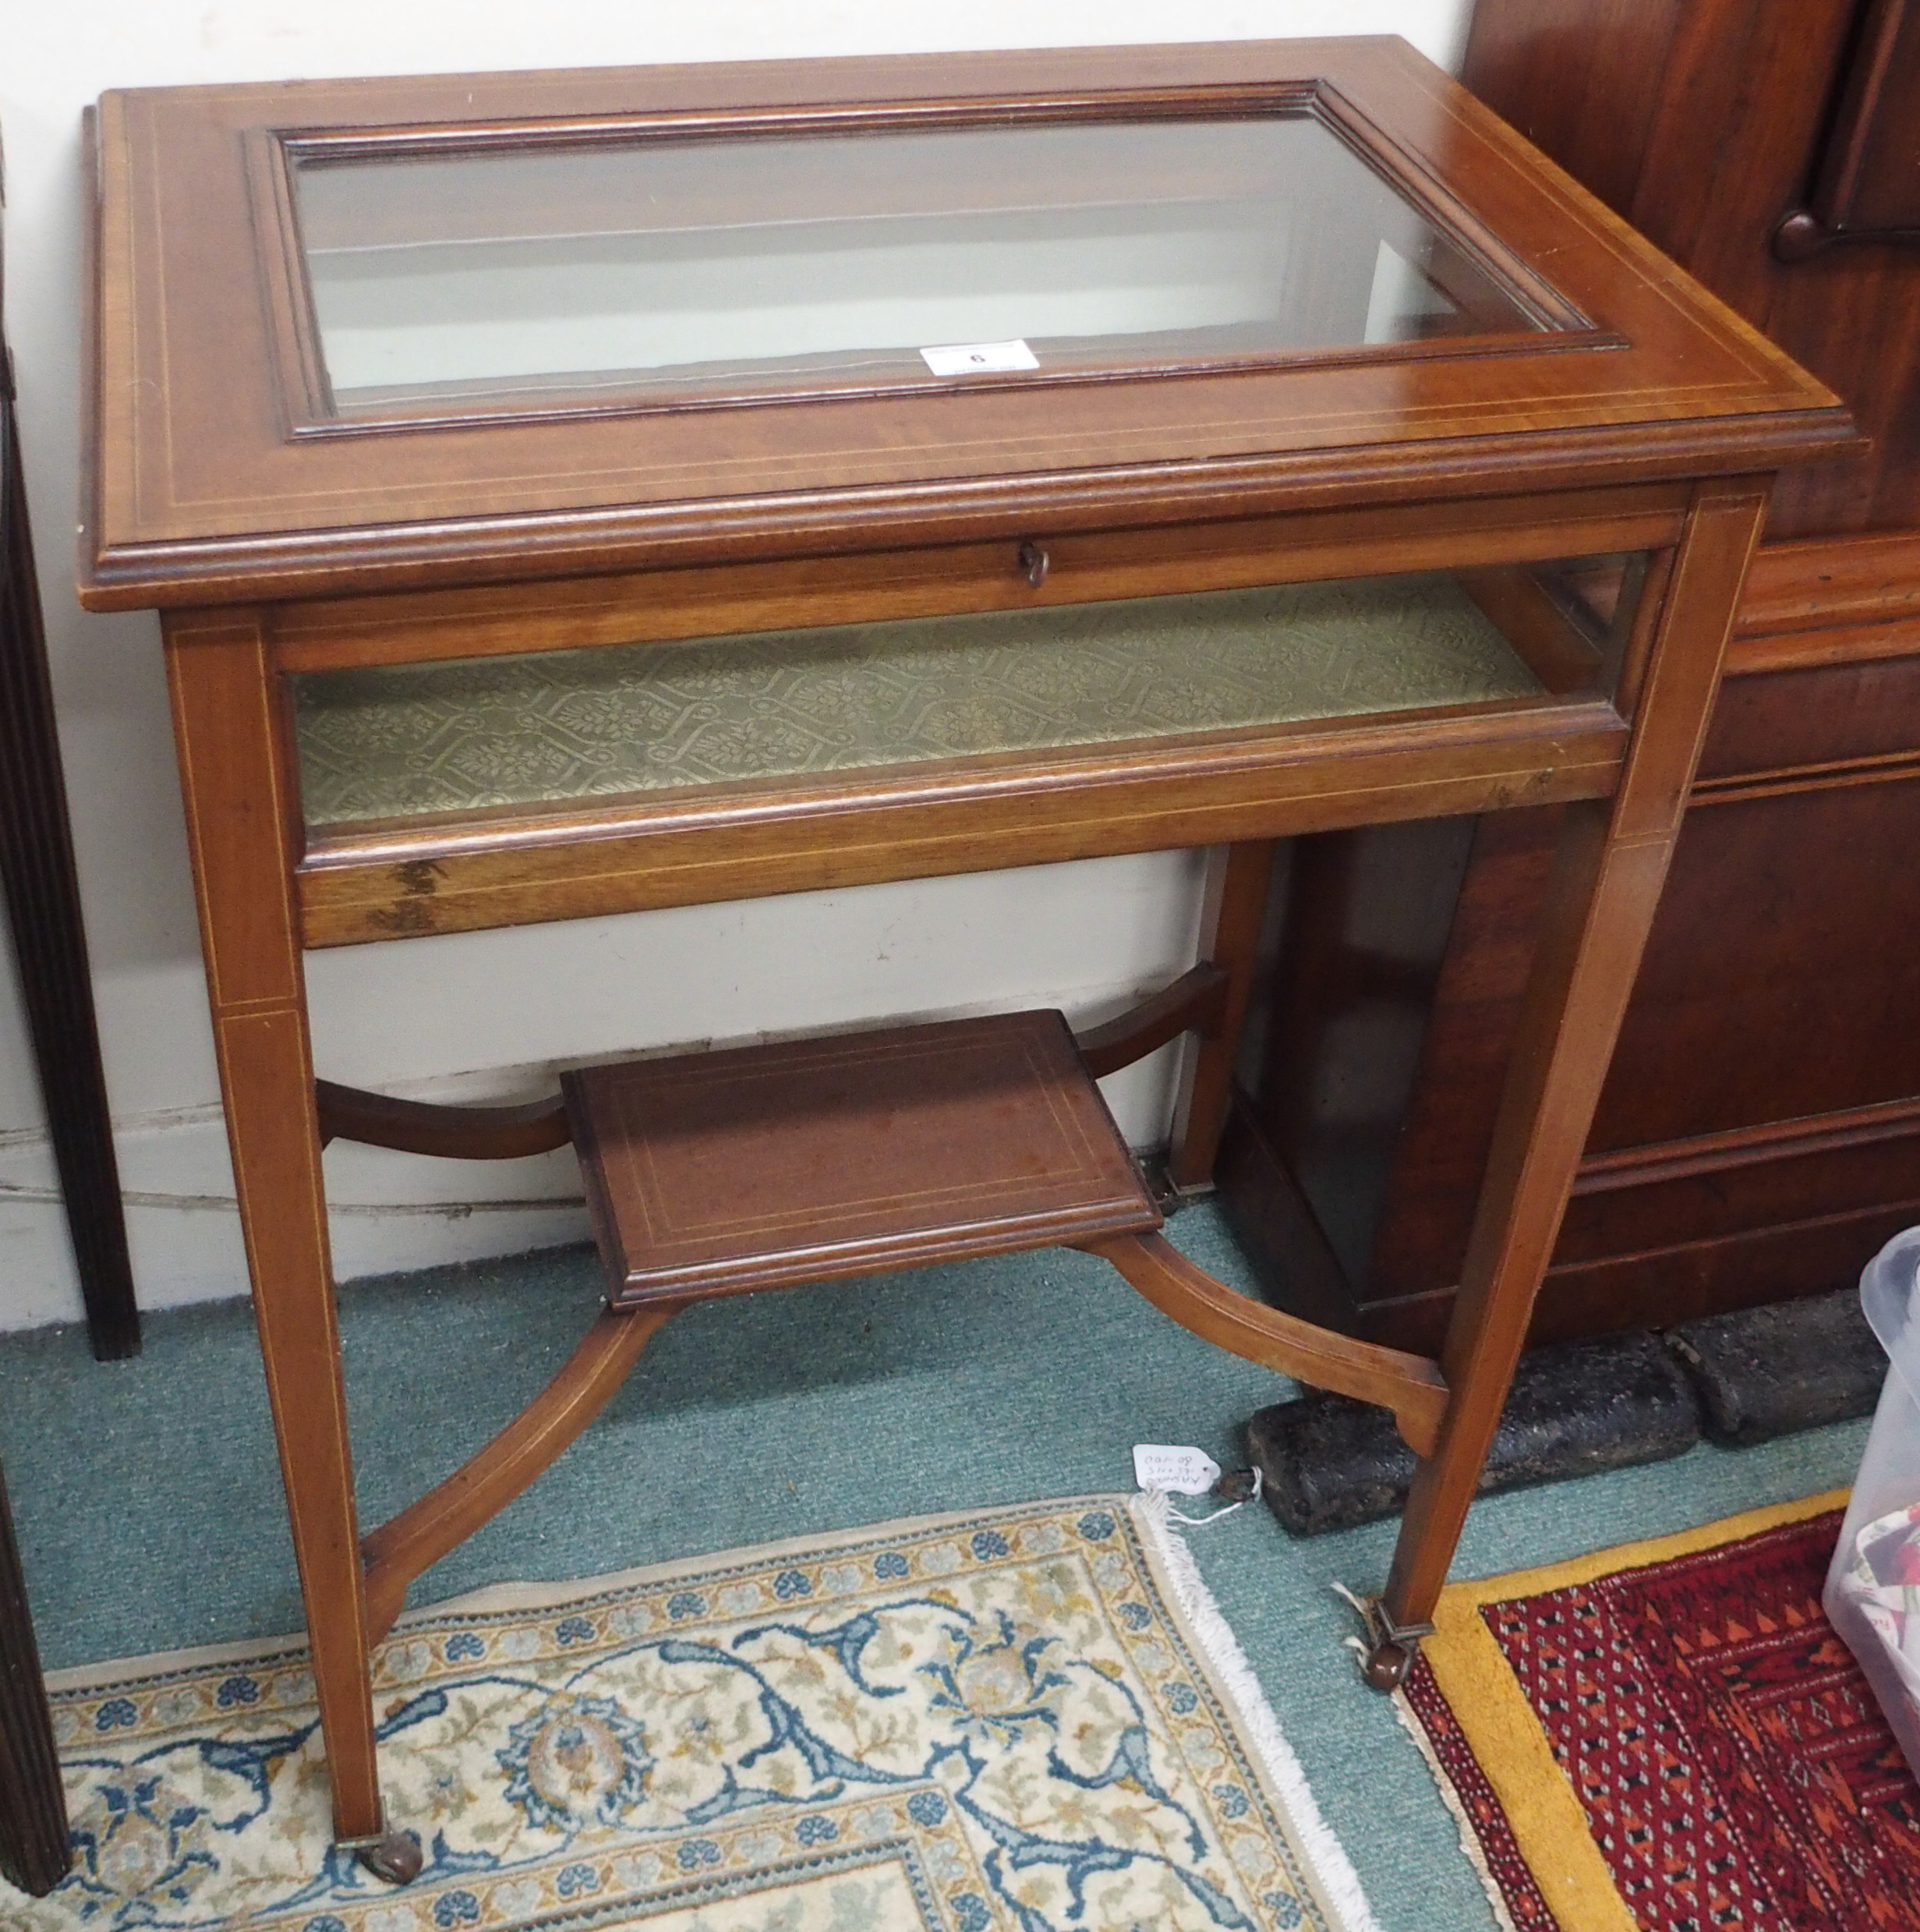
{"points": [[572, 492]]}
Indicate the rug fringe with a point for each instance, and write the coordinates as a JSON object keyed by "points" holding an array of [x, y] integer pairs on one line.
{"points": [[1450, 1797], [1333, 1871]]}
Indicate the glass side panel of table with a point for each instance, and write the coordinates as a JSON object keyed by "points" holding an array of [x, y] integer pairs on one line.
{"points": [[507, 736]]}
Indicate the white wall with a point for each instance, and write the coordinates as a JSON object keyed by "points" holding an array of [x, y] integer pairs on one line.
{"points": [[485, 1013]]}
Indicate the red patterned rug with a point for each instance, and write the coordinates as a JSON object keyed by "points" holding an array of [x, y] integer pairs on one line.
{"points": [[1670, 1737]]}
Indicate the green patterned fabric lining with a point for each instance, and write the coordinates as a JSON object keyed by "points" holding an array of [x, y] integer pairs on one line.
{"points": [[489, 734]]}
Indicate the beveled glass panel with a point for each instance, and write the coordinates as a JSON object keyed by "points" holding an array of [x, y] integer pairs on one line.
{"points": [[559, 729], [545, 275]]}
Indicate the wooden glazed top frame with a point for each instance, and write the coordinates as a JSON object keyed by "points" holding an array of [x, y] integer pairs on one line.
{"points": [[1530, 303], [203, 487]]}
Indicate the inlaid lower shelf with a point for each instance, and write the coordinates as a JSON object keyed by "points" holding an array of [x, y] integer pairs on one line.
{"points": [[717, 1172], [814, 1160]]}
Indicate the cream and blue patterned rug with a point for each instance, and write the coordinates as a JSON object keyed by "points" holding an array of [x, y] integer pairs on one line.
{"points": [[1024, 1720]]}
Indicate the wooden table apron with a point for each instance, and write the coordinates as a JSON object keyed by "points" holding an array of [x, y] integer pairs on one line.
{"points": [[258, 907]]}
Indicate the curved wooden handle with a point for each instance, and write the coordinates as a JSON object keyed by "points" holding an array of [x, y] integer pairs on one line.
{"points": [[1411, 1385]]}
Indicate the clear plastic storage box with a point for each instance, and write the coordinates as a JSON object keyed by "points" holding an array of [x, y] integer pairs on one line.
{"points": [[1872, 1595]]}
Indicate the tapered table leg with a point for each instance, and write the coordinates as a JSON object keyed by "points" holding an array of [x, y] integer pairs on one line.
{"points": [[49, 942], [1232, 912], [241, 806], [1611, 864]]}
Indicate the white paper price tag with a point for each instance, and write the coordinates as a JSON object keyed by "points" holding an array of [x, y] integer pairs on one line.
{"points": [[1186, 1472], [979, 358]]}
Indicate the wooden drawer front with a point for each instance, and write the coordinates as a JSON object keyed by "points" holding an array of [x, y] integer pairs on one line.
{"points": [[1834, 1167], [1782, 977], [1787, 721]]}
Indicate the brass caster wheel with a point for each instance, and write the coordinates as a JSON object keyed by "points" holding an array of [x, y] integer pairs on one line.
{"points": [[1386, 1665], [395, 1859]]}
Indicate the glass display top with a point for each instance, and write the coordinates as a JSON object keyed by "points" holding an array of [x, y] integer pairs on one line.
{"points": [[525, 277]]}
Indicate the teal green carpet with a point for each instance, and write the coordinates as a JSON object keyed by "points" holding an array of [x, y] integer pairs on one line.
{"points": [[148, 1504]]}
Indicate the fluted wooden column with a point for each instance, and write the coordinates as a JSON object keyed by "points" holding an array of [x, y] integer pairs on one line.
{"points": [[34, 1853], [49, 942]]}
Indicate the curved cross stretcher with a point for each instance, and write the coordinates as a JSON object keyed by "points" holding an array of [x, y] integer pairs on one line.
{"points": [[398, 1552], [439, 1521]]}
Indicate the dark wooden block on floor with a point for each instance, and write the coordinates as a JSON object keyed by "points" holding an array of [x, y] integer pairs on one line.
{"points": [[1764, 1372], [813, 1160], [1578, 1409]]}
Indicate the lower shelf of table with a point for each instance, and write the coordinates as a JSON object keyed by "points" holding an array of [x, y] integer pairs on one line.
{"points": [[767, 1166]]}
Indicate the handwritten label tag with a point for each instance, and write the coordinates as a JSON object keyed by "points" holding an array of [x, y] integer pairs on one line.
{"points": [[979, 358], [1186, 1472]]}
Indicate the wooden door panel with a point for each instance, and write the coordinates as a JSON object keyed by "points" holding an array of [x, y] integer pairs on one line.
{"points": [[1704, 122]]}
